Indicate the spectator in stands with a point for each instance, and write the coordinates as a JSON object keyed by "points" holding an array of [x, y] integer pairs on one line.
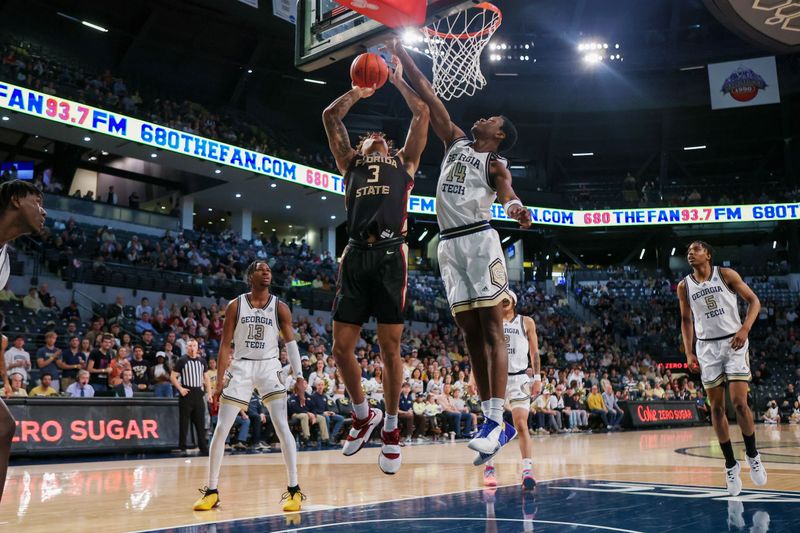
{"points": [[145, 306], [433, 413], [772, 416], [48, 359], [32, 301], [71, 313], [7, 295], [578, 417], [17, 360], [112, 198], [149, 347], [615, 412], [118, 365], [318, 375], [141, 369], [794, 418], [144, 324], [299, 408], [133, 200], [420, 418], [17, 386], [73, 360], [98, 363], [548, 419], [44, 293], [126, 388], [405, 413], [257, 413], [702, 407], [81, 388], [319, 406], [597, 406], [454, 414], [162, 388], [45, 389]]}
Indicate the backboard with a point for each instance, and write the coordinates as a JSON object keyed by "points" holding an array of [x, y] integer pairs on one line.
{"points": [[328, 32]]}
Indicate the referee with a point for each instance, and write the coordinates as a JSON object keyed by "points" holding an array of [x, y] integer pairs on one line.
{"points": [[191, 405]]}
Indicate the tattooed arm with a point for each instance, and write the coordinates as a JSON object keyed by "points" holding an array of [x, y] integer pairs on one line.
{"points": [[338, 139]]}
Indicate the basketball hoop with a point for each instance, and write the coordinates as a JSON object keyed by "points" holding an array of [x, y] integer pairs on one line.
{"points": [[455, 43]]}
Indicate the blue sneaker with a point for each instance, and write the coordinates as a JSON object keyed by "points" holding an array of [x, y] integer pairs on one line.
{"points": [[504, 434]]}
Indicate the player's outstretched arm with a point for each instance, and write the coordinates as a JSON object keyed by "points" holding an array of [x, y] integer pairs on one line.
{"points": [[443, 127], [733, 280], [338, 139], [417, 136], [687, 327], [506, 195]]}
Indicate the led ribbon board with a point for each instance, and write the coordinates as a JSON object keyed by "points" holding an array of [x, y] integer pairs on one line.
{"points": [[21, 100]]}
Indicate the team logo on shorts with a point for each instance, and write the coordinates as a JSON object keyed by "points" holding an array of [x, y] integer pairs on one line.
{"points": [[497, 273]]}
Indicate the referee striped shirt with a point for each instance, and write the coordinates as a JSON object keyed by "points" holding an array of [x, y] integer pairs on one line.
{"points": [[191, 371]]}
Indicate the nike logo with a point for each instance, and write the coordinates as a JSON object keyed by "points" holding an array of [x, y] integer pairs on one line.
{"points": [[389, 252]]}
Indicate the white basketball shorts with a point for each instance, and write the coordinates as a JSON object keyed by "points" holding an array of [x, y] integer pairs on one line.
{"points": [[518, 391], [244, 375], [719, 362], [473, 270]]}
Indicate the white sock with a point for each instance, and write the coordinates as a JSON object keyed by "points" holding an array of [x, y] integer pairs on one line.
{"points": [[225, 419], [490, 463], [527, 464], [389, 423], [496, 409], [280, 421], [361, 410], [485, 406]]}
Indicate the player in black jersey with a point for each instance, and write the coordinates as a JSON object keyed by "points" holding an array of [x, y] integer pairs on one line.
{"points": [[21, 213], [372, 276]]}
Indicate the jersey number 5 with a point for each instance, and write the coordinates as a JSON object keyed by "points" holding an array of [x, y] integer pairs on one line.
{"points": [[376, 172], [711, 303], [256, 332]]}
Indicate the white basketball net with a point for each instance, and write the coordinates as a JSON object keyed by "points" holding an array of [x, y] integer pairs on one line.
{"points": [[455, 45]]}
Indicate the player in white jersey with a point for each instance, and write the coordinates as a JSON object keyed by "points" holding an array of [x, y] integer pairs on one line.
{"points": [[709, 313], [471, 258], [253, 323], [21, 213], [522, 345]]}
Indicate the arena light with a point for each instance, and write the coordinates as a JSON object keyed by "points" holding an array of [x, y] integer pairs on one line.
{"points": [[323, 197], [94, 26], [6, 119], [154, 155], [424, 234], [673, 251], [333, 217], [695, 67], [218, 171], [582, 154], [266, 221], [238, 195], [697, 147], [547, 257], [249, 71], [273, 185], [774, 244], [210, 209], [87, 139], [288, 206], [103, 152], [316, 82], [93, 158], [641, 255], [506, 239]]}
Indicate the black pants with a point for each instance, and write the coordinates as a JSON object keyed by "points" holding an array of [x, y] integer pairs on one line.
{"points": [[192, 407]]}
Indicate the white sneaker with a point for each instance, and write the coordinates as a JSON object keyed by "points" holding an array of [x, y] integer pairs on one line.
{"points": [[488, 440], [361, 430], [732, 479], [757, 472]]}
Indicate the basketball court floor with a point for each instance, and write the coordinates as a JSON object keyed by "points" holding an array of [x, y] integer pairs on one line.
{"points": [[649, 481]]}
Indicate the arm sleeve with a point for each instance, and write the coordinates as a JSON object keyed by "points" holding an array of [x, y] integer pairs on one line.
{"points": [[294, 357]]}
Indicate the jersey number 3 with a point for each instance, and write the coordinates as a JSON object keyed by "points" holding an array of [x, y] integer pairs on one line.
{"points": [[376, 173], [256, 332]]}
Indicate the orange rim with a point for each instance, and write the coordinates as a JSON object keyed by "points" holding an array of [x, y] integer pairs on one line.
{"points": [[491, 28]]}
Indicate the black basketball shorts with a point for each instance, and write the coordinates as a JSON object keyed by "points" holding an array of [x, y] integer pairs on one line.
{"points": [[372, 282]]}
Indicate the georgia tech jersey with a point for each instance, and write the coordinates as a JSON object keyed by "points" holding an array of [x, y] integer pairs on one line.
{"points": [[517, 345], [465, 192], [714, 307], [257, 330]]}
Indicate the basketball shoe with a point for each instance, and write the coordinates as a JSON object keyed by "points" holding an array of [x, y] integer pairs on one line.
{"points": [[504, 433], [527, 479], [489, 478], [732, 479], [361, 431], [292, 499], [208, 500], [757, 471], [389, 458]]}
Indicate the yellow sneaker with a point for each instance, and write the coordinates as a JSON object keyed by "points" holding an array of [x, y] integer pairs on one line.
{"points": [[292, 502], [207, 501]]}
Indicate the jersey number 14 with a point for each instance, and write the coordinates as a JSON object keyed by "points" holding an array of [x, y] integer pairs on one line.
{"points": [[458, 173]]}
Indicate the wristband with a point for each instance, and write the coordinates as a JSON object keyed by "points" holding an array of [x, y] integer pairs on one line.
{"points": [[537, 377], [511, 203]]}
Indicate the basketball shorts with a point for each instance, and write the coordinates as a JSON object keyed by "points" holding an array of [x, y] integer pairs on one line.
{"points": [[244, 375], [473, 269], [518, 391], [372, 282], [719, 362]]}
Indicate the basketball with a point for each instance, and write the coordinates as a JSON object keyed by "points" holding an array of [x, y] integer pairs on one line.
{"points": [[369, 70]]}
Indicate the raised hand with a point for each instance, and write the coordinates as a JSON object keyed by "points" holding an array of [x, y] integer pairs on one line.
{"points": [[364, 92], [396, 75]]}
